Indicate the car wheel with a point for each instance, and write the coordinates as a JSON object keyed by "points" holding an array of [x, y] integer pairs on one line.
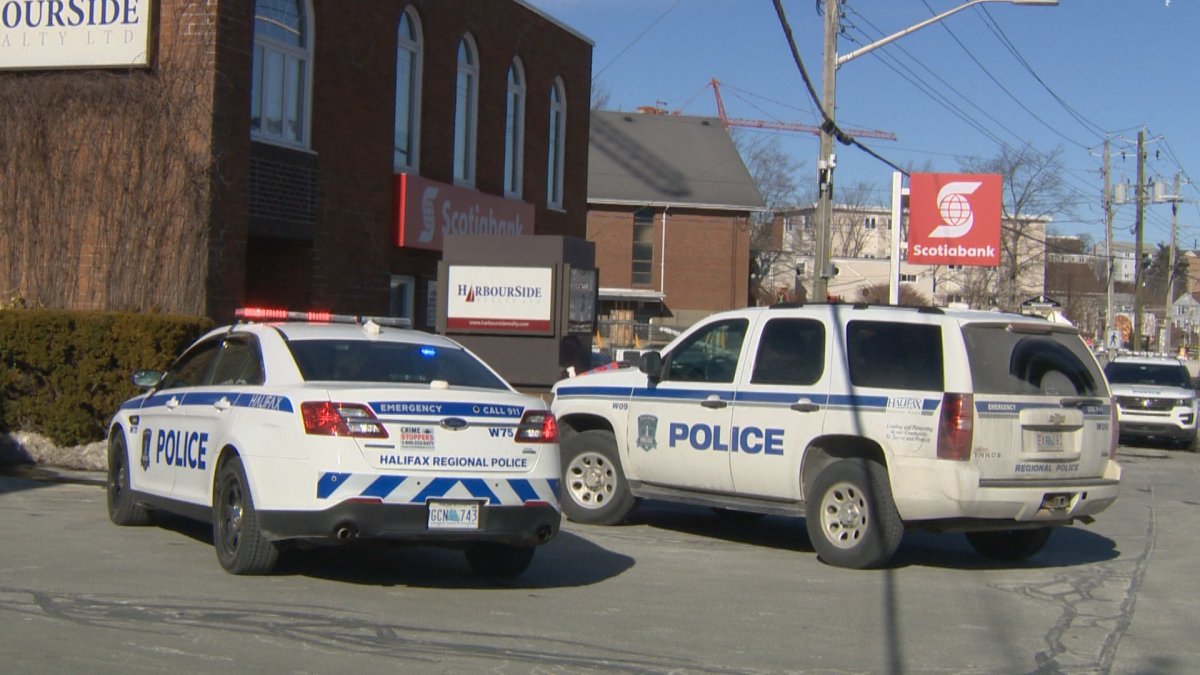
{"points": [[241, 546], [123, 509], [1010, 544], [595, 488], [851, 518], [499, 561]]}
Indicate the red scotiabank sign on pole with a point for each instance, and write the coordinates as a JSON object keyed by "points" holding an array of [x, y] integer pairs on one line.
{"points": [[954, 219]]}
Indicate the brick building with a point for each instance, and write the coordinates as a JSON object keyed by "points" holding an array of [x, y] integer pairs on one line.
{"points": [[306, 153], [669, 202]]}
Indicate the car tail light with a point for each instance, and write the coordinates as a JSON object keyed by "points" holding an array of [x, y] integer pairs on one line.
{"points": [[537, 426], [326, 418], [1116, 430], [956, 427]]}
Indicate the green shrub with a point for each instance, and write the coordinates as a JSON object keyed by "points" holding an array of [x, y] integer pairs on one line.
{"points": [[64, 373]]}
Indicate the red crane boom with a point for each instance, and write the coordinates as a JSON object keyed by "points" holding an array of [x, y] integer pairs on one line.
{"points": [[787, 126]]}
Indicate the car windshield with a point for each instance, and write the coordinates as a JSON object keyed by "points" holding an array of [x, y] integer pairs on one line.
{"points": [[1162, 375], [390, 363]]}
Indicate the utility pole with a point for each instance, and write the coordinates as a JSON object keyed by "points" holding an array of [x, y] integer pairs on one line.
{"points": [[1137, 249], [1166, 345], [822, 268], [1110, 322]]}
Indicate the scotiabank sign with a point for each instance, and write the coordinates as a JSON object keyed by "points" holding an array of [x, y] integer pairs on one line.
{"points": [[427, 211], [954, 219]]}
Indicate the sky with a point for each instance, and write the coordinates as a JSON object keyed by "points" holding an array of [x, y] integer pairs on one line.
{"points": [[1061, 78]]}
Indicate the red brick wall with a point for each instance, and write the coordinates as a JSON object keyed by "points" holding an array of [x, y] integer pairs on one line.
{"points": [[707, 256], [352, 243]]}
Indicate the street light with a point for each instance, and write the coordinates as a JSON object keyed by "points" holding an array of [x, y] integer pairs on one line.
{"points": [[826, 161]]}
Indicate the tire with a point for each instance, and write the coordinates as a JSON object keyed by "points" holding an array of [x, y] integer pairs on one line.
{"points": [[123, 509], [241, 546], [594, 486], [851, 518], [499, 561], [1009, 544]]}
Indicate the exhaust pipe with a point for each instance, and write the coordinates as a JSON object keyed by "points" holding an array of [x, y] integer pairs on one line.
{"points": [[544, 533], [345, 532]]}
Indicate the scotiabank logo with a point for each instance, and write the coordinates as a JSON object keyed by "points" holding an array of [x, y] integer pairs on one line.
{"points": [[954, 219]]}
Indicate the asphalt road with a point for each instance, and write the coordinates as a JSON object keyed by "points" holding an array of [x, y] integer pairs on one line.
{"points": [[679, 589]]}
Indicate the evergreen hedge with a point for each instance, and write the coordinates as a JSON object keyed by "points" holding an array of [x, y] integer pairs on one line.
{"points": [[64, 373]]}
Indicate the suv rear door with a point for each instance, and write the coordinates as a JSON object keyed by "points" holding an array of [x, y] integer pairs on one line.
{"points": [[1042, 405]]}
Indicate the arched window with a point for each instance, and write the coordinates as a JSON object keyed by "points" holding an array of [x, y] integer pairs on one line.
{"points": [[281, 81], [408, 92], [466, 100], [514, 130], [557, 143]]}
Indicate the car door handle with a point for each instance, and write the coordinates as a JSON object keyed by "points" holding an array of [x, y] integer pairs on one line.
{"points": [[223, 403], [1080, 402], [805, 405], [714, 401], [172, 403]]}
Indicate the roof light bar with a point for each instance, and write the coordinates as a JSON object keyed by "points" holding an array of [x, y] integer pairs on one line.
{"points": [[273, 314]]}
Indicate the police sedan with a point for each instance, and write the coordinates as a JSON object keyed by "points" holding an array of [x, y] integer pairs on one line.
{"points": [[291, 428]]}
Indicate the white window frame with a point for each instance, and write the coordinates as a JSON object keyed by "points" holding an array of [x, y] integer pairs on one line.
{"points": [[301, 55], [557, 144], [466, 111], [411, 105], [514, 131]]}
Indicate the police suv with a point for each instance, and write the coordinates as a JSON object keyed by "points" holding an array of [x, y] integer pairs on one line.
{"points": [[319, 431], [863, 420], [1155, 398]]}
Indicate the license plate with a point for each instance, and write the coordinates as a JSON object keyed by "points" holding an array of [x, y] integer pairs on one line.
{"points": [[1049, 441], [454, 515]]}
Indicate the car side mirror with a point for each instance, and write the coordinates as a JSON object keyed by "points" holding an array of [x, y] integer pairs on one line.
{"points": [[147, 379], [651, 364]]}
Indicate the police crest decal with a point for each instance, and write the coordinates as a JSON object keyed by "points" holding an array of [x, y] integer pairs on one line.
{"points": [[647, 429]]}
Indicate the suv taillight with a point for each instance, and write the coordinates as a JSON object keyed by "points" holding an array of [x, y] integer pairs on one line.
{"points": [[326, 418], [537, 426], [955, 429], [1116, 430]]}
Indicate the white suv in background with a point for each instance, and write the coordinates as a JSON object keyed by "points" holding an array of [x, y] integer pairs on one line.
{"points": [[862, 420], [1155, 398]]}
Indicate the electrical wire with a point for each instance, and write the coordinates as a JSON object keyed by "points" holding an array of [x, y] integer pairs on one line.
{"points": [[827, 123]]}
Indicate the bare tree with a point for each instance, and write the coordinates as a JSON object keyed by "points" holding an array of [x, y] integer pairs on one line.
{"points": [[774, 173], [1033, 192], [601, 95], [851, 235]]}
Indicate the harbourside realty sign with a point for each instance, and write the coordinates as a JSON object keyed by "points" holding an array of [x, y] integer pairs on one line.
{"points": [[500, 299], [52, 34]]}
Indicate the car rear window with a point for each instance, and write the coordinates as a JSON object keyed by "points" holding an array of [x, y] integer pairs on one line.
{"points": [[390, 363], [894, 355], [1005, 361], [1160, 374]]}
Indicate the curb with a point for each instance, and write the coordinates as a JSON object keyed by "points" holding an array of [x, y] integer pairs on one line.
{"points": [[52, 474]]}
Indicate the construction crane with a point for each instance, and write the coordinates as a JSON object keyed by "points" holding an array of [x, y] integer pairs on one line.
{"points": [[786, 126]]}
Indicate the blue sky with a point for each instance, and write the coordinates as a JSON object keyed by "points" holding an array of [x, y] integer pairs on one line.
{"points": [[1107, 68]]}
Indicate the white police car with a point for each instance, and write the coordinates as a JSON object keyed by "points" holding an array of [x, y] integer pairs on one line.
{"points": [[863, 420], [319, 431], [1155, 398]]}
